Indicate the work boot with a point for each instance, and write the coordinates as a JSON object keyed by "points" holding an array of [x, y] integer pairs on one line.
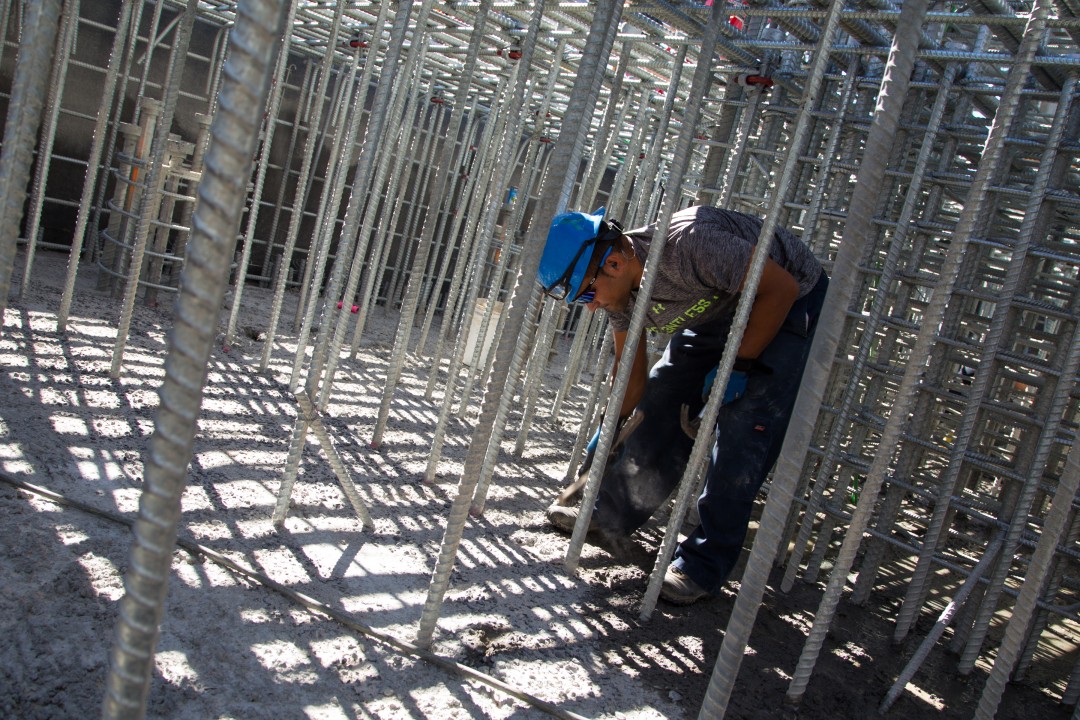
{"points": [[679, 588], [562, 517]]}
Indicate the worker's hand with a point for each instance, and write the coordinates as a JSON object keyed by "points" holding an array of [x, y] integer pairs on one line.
{"points": [[591, 447], [736, 385]]}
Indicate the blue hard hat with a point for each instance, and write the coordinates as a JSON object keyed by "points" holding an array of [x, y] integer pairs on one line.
{"points": [[568, 251]]}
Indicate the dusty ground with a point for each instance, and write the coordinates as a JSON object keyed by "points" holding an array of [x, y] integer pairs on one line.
{"points": [[231, 647]]}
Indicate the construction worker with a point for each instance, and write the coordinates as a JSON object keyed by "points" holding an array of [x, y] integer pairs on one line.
{"points": [[699, 278]]}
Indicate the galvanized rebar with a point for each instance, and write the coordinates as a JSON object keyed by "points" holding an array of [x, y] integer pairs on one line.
{"points": [[508, 384], [97, 146], [410, 139], [497, 168], [942, 623], [1022, 612], [979, 454], [1060, 399], [347, 238], [584, 323], [426, 147], [333, 183], [536, 367], [373, 134], [672, 202], [872, 322], [767, 540], [58, 76], [446, 215], [320, 369], [638, 214], [934, 312], [326, 220], [302, 115], [115, 125], [508, 356], [277, 89], [307, 162], [40, 27], [977, 394], [217, 218], [148, 205]]}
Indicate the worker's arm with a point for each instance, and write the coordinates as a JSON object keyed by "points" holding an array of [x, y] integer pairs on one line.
{"points": [[638, 373], [776, 293]]}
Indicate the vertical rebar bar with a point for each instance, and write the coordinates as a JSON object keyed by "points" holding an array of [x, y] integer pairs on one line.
{"points": [[305, 94], [907, 391], [648, 170], [326, 346], [1060, 399], [216, 220], [108, 95], [872, 322], [704, 442], [534, 370], [402, 151], [767, 539], [362, 181], [412, 293], [508, 356], [333, 189], [115, 125], [942, 623], [38, 42], [148, 205], [55, 95], [1053, 527], [347, 237], [277, 89], [334, 173], [307, 163]]}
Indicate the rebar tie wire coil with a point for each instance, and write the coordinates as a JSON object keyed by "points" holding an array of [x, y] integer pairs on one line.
{"points": [[221, 193]]}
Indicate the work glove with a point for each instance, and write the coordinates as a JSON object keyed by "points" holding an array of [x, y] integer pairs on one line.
{"points": [[736, 385], [591, 447]]}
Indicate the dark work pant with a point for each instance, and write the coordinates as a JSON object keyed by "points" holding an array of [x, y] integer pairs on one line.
{"points": [[748, 435]]}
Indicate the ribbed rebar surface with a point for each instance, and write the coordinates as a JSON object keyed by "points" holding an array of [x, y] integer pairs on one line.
{"points": [[221, 199], [27, 96]]}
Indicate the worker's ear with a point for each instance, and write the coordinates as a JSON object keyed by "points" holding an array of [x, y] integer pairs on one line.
{"points": [[620, 258]]}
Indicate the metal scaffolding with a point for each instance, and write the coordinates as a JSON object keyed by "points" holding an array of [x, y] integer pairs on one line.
{"points": [[928, 153]]}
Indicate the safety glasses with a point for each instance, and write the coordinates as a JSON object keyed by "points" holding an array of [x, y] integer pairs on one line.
{"points": [[561, 287]]}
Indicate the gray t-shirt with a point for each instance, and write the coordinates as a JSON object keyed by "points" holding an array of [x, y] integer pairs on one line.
{"points": [[705, 259]]}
